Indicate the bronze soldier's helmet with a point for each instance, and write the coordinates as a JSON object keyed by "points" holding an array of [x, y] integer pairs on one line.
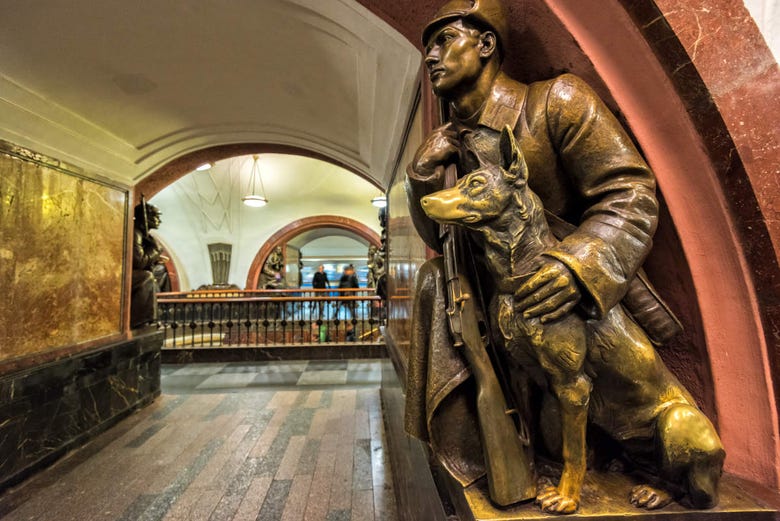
{"points": [[486, 13]]}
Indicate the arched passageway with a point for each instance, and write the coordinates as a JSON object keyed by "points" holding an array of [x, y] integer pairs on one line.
{"points": [[293, 229]]}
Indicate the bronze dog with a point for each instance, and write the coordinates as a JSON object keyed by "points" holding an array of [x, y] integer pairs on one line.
{"points": [[632, 396]]}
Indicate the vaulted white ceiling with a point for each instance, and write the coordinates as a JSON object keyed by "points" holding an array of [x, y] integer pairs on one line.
{"points": [[122, 88], [205, 207]]}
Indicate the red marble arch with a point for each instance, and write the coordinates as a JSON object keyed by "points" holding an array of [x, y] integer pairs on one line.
{"points": [[295, 228], [173, 272], [736, 339]]}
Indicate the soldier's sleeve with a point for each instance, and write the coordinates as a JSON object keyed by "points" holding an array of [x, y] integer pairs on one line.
{"points": [[138, 251], [416, 187], [146, 251], [617, 187]]}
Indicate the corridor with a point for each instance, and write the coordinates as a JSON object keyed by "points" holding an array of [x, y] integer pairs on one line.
{"points": [[233, 441]]}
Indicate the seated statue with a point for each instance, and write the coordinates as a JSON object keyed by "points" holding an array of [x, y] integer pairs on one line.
{"points": [[147, 255], [271, 276], [371, 279], [376, 266], [570, 320]]}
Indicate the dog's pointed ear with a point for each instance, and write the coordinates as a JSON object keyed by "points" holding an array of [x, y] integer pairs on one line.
{"points": [[512, 160]]}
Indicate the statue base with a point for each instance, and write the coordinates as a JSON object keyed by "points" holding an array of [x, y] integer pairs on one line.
{"points": [[605, 498]]}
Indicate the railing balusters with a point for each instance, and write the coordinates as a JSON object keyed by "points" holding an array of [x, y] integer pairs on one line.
{"points": [[267, 318]]}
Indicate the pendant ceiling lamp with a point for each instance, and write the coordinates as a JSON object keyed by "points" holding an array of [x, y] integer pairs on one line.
{"points": [[254, 199]]}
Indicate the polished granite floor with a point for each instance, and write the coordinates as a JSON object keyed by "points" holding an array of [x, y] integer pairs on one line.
{"points": [[267, 441]]}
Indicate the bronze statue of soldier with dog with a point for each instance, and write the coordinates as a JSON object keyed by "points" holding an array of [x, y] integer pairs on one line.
{"points": [[560, 210]]}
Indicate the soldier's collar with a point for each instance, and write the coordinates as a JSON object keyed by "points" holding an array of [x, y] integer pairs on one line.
{"points": [[504, 105]]}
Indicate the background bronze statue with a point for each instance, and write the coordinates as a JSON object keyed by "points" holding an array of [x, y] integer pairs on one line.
{"points": [[585, 171], [271, 276], [147, 254], [375, 265]]}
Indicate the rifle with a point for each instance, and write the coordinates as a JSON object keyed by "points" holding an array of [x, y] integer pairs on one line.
{"points": [[146, 216], [509, 469]]}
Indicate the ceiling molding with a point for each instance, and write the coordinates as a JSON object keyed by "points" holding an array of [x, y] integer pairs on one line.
{"points": [[166, 82]]}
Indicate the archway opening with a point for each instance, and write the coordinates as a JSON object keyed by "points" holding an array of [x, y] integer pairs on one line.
{"points": [[331, 238], [205, 207]]}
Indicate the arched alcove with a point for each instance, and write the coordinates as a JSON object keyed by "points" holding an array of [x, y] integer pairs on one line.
{"points": [[714, 258], [293, 229]]}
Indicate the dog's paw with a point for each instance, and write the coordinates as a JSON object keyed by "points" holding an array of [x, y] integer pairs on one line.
{"points": [[550, 500], [649, 497]]}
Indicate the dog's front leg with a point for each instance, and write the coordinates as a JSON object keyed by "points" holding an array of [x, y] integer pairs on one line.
{"points": [[562, 357]]}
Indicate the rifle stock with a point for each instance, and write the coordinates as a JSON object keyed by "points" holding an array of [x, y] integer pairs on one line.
{"points": [[509, 468]]}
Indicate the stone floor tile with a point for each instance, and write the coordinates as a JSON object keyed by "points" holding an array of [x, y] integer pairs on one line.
{"points": [[226, 381], [313, 399], [363, 377], [338, 515], [228, 453], [362, 505], [195, 369], [291, 457], [272, 378], [144, 436], [319, 491], [327, 365], [253, 500], [269, 434], [361, 428], [273, 506], [341, 486], [323, 377], [283, 399], [295, 506], [362, 468], [308, 460], [178, 384]]}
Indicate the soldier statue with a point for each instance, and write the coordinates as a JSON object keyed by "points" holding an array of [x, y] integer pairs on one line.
{"points": [[147, 255], [597, 195]]}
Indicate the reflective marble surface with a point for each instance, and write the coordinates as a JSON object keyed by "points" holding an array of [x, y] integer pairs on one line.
{"points": [[406, 250], [232, 451], [62, 252]]}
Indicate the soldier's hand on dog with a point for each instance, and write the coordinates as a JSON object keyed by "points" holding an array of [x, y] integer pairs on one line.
{"points": [[549, 294], [438, 149]]}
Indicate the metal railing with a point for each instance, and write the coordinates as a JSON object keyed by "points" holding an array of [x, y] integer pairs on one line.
{"points": [[236, 318]]}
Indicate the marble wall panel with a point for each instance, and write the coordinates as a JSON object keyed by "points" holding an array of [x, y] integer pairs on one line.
{"points": [[406, 250], [55, 407], [62, 251]]}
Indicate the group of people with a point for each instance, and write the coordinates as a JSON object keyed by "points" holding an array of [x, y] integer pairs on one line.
{"points": [[348, 280]]}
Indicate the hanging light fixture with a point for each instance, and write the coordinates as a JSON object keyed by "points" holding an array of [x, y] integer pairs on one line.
{"points": [[379, 201], [254, 199], [204, 167]]}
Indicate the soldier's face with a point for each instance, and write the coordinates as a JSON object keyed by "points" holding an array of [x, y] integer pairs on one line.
{"points": [[154, 220], [452, 58]]}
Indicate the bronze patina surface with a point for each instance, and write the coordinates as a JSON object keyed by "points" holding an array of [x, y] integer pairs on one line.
{"points": [[271, 277], [604, 498], [569, 328], [147, 255]]}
